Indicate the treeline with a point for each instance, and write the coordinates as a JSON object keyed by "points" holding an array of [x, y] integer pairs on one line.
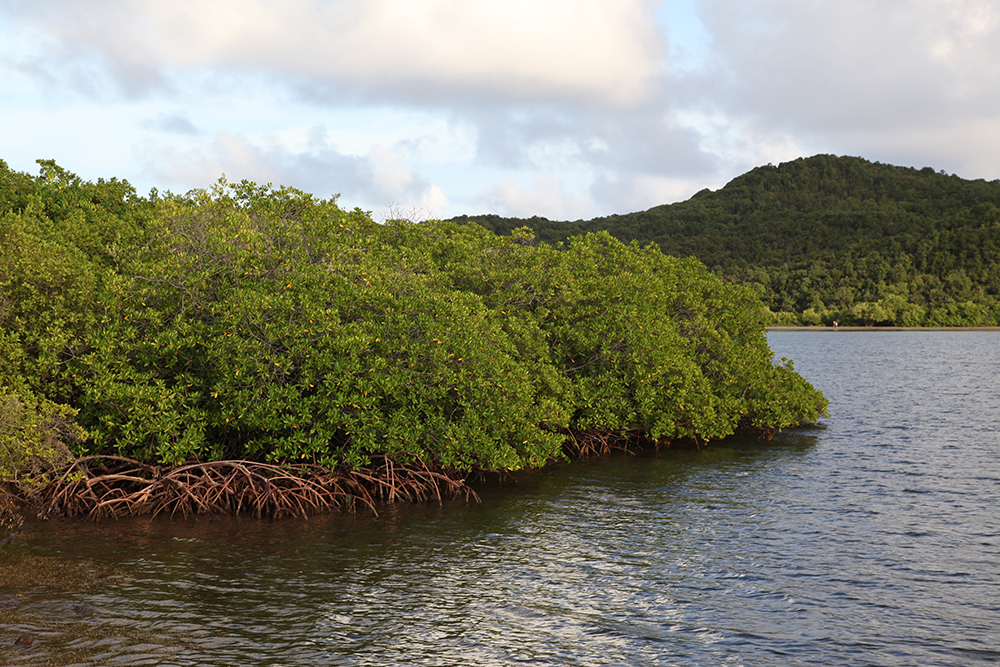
{"points": [[259, 323], [831, 238]]}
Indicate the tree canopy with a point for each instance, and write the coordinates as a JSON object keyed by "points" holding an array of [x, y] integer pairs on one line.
{"points": [[246, 321]]}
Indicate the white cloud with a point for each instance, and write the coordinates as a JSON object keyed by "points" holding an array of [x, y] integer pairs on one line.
{"points": [[598, 52], [378, 178], [546, 197], [736, 142], [553, 197], [854, 75], [643, 191], [561, 108]]}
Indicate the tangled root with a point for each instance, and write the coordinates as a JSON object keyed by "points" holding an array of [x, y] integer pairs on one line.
{"points": [[113, 486], [585, 444]]}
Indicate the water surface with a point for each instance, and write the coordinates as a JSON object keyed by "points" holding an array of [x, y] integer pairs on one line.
{"points": [[873, 539]]}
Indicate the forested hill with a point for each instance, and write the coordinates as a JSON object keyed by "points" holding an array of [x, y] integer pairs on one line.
{"points": [[831, 238]]}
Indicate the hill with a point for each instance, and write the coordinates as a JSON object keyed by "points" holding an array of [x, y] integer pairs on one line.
{"points": [[830, 238]]}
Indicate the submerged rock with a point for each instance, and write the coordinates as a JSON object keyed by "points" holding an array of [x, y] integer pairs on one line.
{"points": [[82, 609]]}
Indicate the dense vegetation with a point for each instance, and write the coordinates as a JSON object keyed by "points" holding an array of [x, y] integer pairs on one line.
{"points": [[259, 323], [831, 238]]}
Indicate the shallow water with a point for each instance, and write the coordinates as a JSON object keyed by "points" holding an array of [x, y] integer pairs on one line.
{"points": [[873, 539]]}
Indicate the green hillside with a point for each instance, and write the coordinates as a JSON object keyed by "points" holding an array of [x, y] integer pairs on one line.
{"points": [[831, 238]]}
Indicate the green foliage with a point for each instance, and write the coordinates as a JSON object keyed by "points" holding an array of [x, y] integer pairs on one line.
{"points": [[59, 237], [33, 437], [828, 238], [301, 331], [46, 294], [247, 321]]}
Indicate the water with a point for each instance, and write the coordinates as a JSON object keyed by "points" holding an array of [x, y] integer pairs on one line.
{"points": [[873, 539]]}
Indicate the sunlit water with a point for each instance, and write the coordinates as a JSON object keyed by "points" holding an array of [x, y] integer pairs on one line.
{"points": [[871, 540]]}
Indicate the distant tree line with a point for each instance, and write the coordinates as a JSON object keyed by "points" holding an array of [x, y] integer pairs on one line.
{"points": [[830, 238]]}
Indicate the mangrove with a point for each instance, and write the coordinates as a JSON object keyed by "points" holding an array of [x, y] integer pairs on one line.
{"points": [[254, 348]]}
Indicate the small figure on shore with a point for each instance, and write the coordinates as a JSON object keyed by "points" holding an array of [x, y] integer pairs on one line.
{"points": [[835, 324]]}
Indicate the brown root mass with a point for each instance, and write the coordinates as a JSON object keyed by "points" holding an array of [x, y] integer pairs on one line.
{"points": [[112, 486], [601, 442]]}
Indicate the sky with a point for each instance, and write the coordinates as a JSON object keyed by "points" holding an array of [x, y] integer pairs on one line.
{"points": [[566, 109]]}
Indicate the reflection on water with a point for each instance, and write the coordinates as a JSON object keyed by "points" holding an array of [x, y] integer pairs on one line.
{"points": [[872, 539]]}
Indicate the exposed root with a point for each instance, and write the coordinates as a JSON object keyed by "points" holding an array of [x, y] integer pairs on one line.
{"points": [[391, 482], [584, 444], [112, 486]]}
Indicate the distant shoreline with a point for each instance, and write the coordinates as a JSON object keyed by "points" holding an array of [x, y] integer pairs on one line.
{"points": [[818, 328]]}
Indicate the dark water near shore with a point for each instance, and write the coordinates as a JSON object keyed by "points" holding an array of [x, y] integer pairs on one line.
{"points": [[873, 539]]}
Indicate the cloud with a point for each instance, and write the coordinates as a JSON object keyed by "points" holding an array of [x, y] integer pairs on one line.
{"points": [[547, 197], [891, 78], [616, 160], [171, 123], [647, 138], [640, 192], [597, 52], [550, 197], [562, 108], [379, 178]]}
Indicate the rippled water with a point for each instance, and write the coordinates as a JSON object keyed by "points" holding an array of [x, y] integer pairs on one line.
{"points": [[871, 540]]}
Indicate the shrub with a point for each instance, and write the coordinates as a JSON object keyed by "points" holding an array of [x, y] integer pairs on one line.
{"points": [[34, 434], [263, 323]]}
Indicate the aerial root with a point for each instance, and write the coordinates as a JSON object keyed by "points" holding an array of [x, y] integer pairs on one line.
{"points": [[392, 482], [598, 442], [113, 486]]}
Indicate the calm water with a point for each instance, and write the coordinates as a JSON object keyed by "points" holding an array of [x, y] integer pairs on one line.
{"points": [[871, 540]]}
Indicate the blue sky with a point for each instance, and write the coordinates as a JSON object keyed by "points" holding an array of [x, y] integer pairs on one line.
{"points": [[562, 108]]}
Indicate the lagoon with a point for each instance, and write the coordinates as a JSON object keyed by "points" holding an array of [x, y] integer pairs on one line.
{"points": [[873, 538]]}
